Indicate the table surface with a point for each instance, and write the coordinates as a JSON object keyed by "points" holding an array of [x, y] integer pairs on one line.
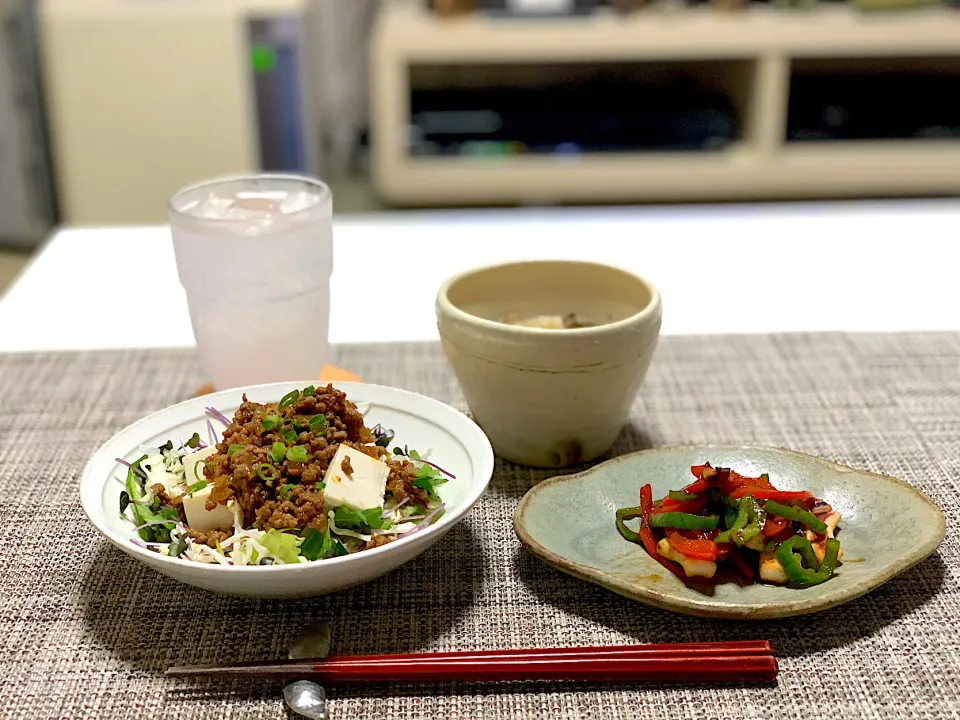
{"points": [[845, 266]]}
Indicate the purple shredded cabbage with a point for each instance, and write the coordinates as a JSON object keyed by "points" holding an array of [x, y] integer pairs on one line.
{"points": [[212, 432], [218, 415], [437, 467], [395, 507], [426, 520], [156, 522]]}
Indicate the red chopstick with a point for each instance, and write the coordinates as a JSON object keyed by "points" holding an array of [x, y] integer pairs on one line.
{"points": [[694, 663]]}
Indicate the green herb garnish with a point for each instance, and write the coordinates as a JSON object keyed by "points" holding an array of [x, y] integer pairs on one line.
{"points": [[385, 439], [316, 545], [234, 449], [370, 518], [289, 399], [317, 423], [339, 549], [290, 436], [271, 422], [308, 390], [297, 454], [286, 491], [177, 548], [278, 451]]}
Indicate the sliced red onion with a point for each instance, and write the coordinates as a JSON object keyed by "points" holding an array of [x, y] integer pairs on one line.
{"points": [[212, 433], [218, 415], [434, 465], [123, 462], [139, 543], [426, 520], [399, 505]]}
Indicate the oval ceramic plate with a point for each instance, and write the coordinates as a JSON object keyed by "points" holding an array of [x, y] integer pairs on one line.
{"points": [[420, 422], [569, 521]]}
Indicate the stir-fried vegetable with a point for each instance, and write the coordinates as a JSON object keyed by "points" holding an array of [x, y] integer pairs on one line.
{"points": [[782, 536]]}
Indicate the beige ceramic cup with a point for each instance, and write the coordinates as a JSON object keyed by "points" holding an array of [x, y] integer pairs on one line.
{"points": [[549, 398]]}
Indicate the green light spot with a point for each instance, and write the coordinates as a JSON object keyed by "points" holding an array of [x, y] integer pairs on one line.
{"points": [[264, 58]]}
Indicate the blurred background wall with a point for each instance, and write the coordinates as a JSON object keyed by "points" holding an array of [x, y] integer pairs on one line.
{"points": [[109, 106]]}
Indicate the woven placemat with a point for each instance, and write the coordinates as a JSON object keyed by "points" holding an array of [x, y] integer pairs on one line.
{"points": [[86, 632]]}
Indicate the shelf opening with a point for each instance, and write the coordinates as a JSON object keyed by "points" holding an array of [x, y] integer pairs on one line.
{"points": [[850, 99], [569, 109]]}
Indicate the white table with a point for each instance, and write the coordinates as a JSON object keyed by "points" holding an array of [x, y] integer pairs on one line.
{"points": [[855, 266]]}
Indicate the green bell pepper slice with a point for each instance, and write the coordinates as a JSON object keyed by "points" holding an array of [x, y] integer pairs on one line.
{"points": [[748, 523], [791, 512], [800, 563], [624, 514], [684, 521], [681, 496]]}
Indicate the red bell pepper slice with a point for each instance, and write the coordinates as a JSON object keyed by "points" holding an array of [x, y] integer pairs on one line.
{"points": [[696, 549], [703, 472], [699, 486], [775, 525], [646, 534], [741, 564], [784, 496], [724, 550], [691, 506], [785, 534]]}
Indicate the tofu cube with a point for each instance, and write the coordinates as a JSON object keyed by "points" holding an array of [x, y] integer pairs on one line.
{"points": [[199, 518], [193, 473], [362, 488]]}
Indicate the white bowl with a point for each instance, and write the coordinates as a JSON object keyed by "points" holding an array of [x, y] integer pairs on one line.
{"points": [[457, 444]]}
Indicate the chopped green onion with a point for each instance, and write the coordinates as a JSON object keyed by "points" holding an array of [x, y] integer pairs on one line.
{"points": [[278, 451], [266, 471], [234, 449], [309, 390], [271, 422], [285, 491], [289, 399], [196, 468], [321, 486], [124, 501], [317, 423], [290, 436], [197, 487], [298, 454]]}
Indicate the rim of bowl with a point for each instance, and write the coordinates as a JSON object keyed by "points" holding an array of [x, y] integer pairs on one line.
{"points": [[324, 193], [444, 300], [487, 459]]}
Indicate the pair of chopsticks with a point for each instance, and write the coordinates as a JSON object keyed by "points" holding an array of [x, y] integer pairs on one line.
{"points": [[716, 662]]}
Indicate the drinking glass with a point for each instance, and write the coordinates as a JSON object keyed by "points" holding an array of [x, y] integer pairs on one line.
{"points": [[254, 254]]}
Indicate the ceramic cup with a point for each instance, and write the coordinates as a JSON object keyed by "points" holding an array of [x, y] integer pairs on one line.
{"points": [[549, 398]]}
